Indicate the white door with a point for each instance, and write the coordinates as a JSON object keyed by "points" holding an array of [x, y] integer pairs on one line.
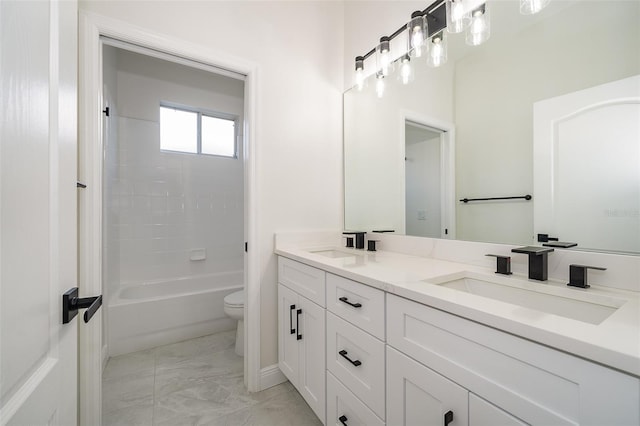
{"points": [[38, 354], [587, 166], [287, 331], [311, 334]]}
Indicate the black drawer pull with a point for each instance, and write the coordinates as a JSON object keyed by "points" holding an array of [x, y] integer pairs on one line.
{"points": [[298, 335], [448, 417], [343, 419], [345, 300], [343, 353], [291, 309]]}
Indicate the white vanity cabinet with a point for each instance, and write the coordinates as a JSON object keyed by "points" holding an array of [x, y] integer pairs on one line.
{"points": [[510, 380], [389, 360], [301, 331]]}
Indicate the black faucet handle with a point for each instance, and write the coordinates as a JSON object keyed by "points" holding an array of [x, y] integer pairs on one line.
{"points": [[578, 275], [349, 241], [545, 238], [503, 264]]}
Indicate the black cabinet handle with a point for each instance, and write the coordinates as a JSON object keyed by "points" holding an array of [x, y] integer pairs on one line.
{"points": [[343, 353], [345, 300], [448, 417], [291, 309], [343, 419], [298, 335]]}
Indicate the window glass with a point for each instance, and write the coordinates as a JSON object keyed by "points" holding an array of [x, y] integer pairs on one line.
{"points": [[178, 130], [218, 136]]}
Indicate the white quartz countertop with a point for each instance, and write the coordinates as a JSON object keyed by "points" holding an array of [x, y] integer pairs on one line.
{"points": [[615, 342]]}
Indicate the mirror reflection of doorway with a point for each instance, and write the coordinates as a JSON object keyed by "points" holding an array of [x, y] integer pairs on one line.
{"points": [[424, 181]]}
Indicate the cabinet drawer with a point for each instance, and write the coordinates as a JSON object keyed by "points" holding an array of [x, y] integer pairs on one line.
{"points": [[343, 407], [303, 279], [357, 303], [357, 360]]}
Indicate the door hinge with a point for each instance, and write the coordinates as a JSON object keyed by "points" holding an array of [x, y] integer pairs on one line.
{"points": [[246, 246], [106, 111]]}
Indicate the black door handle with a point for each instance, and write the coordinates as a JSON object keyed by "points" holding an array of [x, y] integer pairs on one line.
{"points": [[345, 300], [298, 335], [343, 353], [291, 308], [71, 303], [448, 417], [343, 419]]}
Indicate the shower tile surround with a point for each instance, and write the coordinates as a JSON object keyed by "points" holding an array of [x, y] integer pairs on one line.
{"points": [[159, 206], [197, 381], [169, 204]]}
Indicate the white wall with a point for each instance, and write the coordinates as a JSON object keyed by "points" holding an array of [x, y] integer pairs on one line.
{"points": [[169, 204], [297, 47]]}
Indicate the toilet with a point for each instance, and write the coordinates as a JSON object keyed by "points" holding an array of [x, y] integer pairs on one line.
{"points": [[234, 308]]}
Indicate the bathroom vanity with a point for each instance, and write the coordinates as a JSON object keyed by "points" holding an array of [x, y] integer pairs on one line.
{"points": [[417, 340]]}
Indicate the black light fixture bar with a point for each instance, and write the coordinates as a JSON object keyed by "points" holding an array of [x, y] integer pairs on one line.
{"points": [[437, 21]]}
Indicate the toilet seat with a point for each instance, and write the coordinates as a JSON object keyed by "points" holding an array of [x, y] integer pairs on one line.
{"points": [[234, 299]]}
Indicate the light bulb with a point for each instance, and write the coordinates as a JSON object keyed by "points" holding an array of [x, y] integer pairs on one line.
{"points": [[379, 84], [359, 73], [529, 7], [437, 50], [458, 16], [417, 44], [417, 28], [383, 56], [479, 30], [406, 73]]}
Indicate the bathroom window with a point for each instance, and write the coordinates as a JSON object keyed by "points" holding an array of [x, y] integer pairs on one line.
{"points": [[197, 132]]}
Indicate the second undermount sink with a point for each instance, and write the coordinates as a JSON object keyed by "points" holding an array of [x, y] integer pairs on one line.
{"points": [[335, 254], [564, 302]]}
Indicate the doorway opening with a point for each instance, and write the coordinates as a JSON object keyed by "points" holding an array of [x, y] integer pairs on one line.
{"points": [[428, 180], [173, 213]]}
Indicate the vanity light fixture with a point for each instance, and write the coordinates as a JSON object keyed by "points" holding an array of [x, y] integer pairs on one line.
{"points": [[384, 62], [379, 84], [360, 77], [426, 34], [530, 7], [417, 34], [437, 49], [480, 28], [406, 71]]}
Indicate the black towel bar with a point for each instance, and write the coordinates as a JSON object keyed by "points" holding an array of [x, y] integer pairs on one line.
{"points": [[523, 197]]}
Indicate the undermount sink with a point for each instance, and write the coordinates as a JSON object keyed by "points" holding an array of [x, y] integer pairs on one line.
{"points": [[334, 254], [582, 306]]}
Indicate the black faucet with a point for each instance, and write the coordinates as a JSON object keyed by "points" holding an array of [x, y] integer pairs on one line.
{"points": [[359, 238], [537, 261]]}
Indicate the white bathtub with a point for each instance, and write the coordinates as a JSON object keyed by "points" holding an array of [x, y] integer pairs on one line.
{"points": [[146, 315]]}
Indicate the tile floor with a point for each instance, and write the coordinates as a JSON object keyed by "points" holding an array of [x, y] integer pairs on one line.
{"points": [[195, 382]]}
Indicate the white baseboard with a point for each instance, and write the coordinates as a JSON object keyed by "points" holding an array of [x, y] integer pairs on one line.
{"points": [[271, 376]]}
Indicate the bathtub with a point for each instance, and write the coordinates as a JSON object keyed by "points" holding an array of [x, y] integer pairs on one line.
{"points": [[145, 315]]}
